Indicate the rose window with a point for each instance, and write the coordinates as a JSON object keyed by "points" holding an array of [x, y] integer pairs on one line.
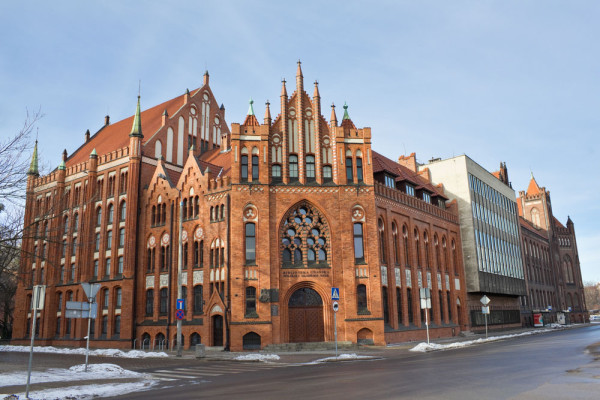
{"points": [[304, 238]]}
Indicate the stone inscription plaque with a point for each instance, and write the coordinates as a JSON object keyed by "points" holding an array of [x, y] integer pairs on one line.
{"points": [[305, 273]]}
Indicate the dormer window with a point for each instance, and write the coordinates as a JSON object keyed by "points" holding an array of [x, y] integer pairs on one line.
{"points": [[410, 189], [389, 182], [441, 203], [427, 197]]}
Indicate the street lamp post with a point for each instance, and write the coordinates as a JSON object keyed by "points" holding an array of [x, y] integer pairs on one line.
{"points": [[179, 263]]}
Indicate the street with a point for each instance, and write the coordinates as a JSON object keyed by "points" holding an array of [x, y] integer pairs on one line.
{"points": [[551, 365]]}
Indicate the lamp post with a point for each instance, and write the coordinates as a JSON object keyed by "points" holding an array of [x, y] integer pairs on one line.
{"points": [[179, 263]]}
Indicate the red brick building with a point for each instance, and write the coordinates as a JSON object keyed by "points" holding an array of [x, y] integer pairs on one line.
{"points": [[273, 216], [553, 273]]}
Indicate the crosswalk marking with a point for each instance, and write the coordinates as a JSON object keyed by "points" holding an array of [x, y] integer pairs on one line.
{"points": [[195, 372]]}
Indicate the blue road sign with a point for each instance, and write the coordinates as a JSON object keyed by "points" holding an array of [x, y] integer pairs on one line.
{"points": [[180, 304], [335, 293]]}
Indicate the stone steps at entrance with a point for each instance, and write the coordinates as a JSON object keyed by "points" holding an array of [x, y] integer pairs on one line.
{"points": [[309, 346]]}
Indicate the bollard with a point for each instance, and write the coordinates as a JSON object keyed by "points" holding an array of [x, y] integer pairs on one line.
{"points": [[200, 351]]}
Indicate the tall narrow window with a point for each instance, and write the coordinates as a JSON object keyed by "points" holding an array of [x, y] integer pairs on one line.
{"points": [[349, 172], [384, 301], [107, 267], [108, 240], [327, 175], [120, 265], [244, 168], [118, 297], [396, 245], [254, 168], [409, 306], [250, 243], [359, 254], [163, 300], [361, 299], [381, 229], [399, 305], [276, 172], [293, 164], [198, 299], [123, 212], [105, 298], [117, 327], [184, 256], [75, 222], [99, 216], [310, 167], [359, 169], [149, 302], [121, 237], [250, 301], [97, 242], [110, 213]]}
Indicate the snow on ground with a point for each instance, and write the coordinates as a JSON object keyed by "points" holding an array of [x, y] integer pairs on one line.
{"points": [[342, 357], [257, 357], [423, 347], [84, 392], [96, 352], [75, 373]]}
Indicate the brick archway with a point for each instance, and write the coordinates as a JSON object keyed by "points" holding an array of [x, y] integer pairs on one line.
{"points": [[305, 316]]}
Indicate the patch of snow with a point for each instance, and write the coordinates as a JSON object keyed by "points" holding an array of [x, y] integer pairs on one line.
{"points": [[257, 357], [342, 357], [75, 373], [85, 392], [96, 352], [424, 347]]}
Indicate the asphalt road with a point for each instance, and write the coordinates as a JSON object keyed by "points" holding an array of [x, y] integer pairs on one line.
{"points": [[555, 365]]}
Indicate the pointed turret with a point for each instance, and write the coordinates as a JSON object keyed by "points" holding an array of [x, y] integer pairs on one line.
{"points": [[299, 78], [333, 118], [316, 94], [283, 89], [267, 120], [533, 187], [62, 166], [87, 135], [136, 129], [251, 118], [206, 78], [346, 116], [346, 121], [317, 99], [33, 167], [64, 155]]}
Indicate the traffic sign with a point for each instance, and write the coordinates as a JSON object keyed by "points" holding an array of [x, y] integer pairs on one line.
{"points": [[485, 309], [180, 304], [78, 305], [90, 289], [335, 293], [180, 314], [485, 300], [336, 306], [39, 294]]}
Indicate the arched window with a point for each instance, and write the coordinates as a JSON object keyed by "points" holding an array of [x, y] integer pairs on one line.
{"points": [[75, 222], [276, 172], [195, 339], [153, 220], [327, 174], [198, 302], [381, 230], [118, 297], [310, 168], [65, 226], [121, 237], [163, 216], [105, 298], [426, 241], [97, 242], [359, 169], [99, 216], [535, 217], [250, 243], [304, 228], [196, 206], [251, 301], [254, 167], [149, 302], [164, 300], [349, 172], [293, 165], [359, 250], [417, 247], [185, 255], [361, 299], [110, 213], [396, 244], [158, 149], [120, 265], [406, 246]]}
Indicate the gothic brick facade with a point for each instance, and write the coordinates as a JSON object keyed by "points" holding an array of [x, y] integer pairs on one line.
{"points": [[272, 216]]}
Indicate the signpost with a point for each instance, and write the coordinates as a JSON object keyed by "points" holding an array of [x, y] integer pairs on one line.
{"points": [[37, 304], [81, 309], [335, 296], [425, 294], [485, 310]]}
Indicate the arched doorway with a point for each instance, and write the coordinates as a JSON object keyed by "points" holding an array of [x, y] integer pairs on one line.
{"points": [[217, 323], [306, 316]]}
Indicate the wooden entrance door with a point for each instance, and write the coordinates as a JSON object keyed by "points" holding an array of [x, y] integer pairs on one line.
{"points": [[306, 317], [217, 321]]}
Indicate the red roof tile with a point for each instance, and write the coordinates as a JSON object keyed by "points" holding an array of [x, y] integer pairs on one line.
{"points": [[533, 187], [557, 223], [116, 135], [215, 160]]}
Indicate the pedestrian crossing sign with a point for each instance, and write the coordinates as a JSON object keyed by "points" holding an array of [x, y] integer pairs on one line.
{"points": [[335, 293]]}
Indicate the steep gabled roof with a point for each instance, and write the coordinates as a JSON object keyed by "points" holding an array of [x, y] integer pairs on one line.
{"points": [[533, 187], [401, 173], [115, 136], [557, 223], [216, 160]]}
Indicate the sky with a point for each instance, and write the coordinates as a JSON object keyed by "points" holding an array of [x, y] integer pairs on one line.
{"points": [[507, 80]]}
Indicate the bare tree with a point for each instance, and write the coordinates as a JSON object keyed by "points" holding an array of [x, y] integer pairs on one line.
{"points": [[15, 156], [592, 295]]}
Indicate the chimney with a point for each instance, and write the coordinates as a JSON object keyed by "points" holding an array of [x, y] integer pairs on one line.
{"points": [[87, 135], [107, 120]]}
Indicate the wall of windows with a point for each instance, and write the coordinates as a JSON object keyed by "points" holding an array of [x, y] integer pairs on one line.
{"points": [[496, 230]]}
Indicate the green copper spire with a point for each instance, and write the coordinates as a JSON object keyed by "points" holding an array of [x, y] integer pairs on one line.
{"points": [[251, 108], [346, 116], [136, 129], [33, 167], [62, 166]]}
